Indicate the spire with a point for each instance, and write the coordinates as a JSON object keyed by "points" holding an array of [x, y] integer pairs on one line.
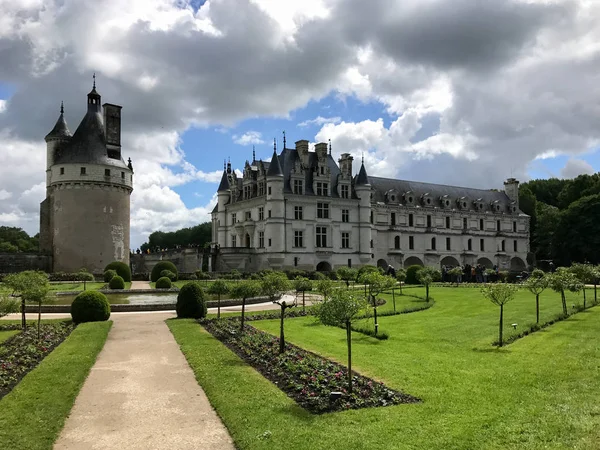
{"points": [[330, 146], [60, 130], [129, 165], [224, 164], [362, 179], [224, 184], [253, 154], [275, 165], [228, 165], [275, 145], [94, 98], [94, 77], [284, 139]]}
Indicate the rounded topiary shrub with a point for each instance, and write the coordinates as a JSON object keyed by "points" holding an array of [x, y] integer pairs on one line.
{"points": [[90, 306], [190, 301], [109, 275], [159, 267], [411, 274], [163, 283], [167, 273], [121, 268], [117, 283]]}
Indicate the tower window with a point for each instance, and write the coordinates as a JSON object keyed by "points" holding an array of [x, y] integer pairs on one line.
{"points": [[515, 226], [411, 243], [428, 221], [123, 175], [62, 170], [481, 224], [83, 171], [269, 190], [393, 219], [432, 243], [107, 172], [447, 222], [497, 225], [503, 246], [410, 220]]}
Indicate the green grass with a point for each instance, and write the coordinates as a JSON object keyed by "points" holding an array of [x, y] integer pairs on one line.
{"points": [[539, 392], [32, 415], [4, 335], [78, 286]]}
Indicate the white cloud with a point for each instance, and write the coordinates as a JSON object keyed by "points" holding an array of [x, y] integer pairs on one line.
{"points": [[249, 137], [575, 167], [5, 195], [320, 121]]}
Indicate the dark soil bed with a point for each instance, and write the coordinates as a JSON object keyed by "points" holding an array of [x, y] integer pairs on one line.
{"points": [[24, 351], [304, 376]]}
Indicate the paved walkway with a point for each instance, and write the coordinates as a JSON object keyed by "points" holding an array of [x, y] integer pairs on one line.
{"points": [[141, 394], [140, 285]]}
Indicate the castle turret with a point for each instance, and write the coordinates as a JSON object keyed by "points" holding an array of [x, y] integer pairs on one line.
{"points": [[362, 187], [275, 205], [223, 196]]}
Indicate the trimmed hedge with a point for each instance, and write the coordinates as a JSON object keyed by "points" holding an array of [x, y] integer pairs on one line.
{"points": [[159, 267], [121, 268], [191, 302], [163, 283], [117, 283], [109, 275], [167, 273], [90, 306], [411, 274]]}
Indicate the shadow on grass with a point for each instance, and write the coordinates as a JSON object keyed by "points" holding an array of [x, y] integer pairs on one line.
{"points": [[491, 350], [297, 412]]}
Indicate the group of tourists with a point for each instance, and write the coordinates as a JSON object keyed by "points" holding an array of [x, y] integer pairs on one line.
{"points": [[469, 274]]}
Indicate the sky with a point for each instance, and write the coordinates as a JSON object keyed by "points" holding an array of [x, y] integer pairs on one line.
{"points": [[458, 92]]}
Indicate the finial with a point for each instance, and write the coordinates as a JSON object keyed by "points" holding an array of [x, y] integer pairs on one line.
{"points": [[94, 77], [330, 146], [224, 163], [363, 158], [62, 107], [284, 139], [275, 145], [253, 154]]}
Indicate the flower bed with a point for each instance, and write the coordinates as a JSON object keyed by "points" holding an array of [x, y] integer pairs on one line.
{"points": [[23, 352], [305, 377]]}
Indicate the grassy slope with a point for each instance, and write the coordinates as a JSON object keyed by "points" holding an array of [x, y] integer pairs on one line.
{"points": [[539, 392], [33, 414]]}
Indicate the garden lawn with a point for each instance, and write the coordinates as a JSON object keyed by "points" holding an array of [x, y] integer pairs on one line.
{"points": [[539, 392], [78, 286], [4, 335], [34, 412]]}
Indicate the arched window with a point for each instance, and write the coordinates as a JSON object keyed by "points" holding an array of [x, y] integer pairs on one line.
{"points": [[397, 242], [432, 243]]}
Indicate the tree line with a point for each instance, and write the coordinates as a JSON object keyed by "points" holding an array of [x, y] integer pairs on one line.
{"points": [[196, 236], [565, 218], [16, 240]]}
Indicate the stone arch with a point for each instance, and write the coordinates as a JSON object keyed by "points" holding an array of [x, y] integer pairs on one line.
{"points": [[485, 262], [397, 242], [413, 261], [517, 264], [382, 263], [323, 266], [449, 261]]}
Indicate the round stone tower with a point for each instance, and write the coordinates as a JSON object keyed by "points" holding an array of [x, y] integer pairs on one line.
{"points": [[84, 220]]}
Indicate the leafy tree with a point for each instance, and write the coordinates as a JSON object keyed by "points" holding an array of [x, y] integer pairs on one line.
{"points": [[341, 309], [31, 286], [585, 273], [577, 188], [8, 305], [546, 190], [218, 288], [13, 240], [283, 304], [401, 277], [499, 294], [578, 233], [85, 276], [376, 284], [426, 276], [303, 284], [325, 287], [537, 283], [543, 239], [456, 273], [564, 280], [197, 236], [275, 284], [347, 274], [245, 290]]}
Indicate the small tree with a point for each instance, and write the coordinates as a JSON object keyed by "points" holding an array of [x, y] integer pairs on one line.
{"points": [[218, 288], [499, 294], [426, 276], [347, 274], [325, 287], [8, 305], [31, 286], [245, 290], [376, 284], [456, 273], [564, 280], [401, 277], [303, 284], [275, 284], [537, 283], [85, 276], [585, 273], [341, 309], [283, 304]]}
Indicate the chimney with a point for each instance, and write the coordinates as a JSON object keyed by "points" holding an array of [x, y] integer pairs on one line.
{"points": [[511, 188], [321, 150], [112, 129], [302, 149], [345, 162]]}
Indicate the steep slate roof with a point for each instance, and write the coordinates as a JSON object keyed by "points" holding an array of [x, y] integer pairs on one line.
{"points": [[224, 185], [380, 186], [290, 156], [362, 178], [274, 169], [60, 129]]}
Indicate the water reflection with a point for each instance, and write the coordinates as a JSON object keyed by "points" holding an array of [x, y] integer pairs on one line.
{"points": [[125, 299]]}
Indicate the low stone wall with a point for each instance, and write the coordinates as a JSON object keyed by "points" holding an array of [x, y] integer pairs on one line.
{"points": [[18, 262], [187, 260]]}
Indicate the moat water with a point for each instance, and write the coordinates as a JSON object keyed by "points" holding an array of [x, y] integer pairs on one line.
{"points": [[126, 299]]}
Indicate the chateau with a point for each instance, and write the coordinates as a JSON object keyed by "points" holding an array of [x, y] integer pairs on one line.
{"points": [[304, 211], [84, 220]]}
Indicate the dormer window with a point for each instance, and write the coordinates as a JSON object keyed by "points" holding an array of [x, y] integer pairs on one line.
{"points": [[345, 191], [322, 188], [463, 203], [409, 198], [445, 201]]}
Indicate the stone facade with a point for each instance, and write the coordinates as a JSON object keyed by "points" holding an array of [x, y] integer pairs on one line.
{"points": [[302, 210], [84, 220]]}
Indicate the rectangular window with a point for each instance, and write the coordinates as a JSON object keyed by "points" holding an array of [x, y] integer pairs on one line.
{"points": [[233, 241], [322, 188], [298, 187], [345, 240], [62, 170], [233, 219], [498, 225], [261, 239], [345, 191], [269, 190], [447, 222], [448, 247], [428, 221], [298, 213], [481, 245], [123, 175], [433, 242], [469, 245], [321, 233], [323, 210], [349, 262], [261, 213], [393, 219], [269, 213], [464, 223], [481, 224], [503, 246], [515, 245], [515, 226], [83, 171], [298, 238], [345, 215], [296, 261], [371, 216], [411, 243], [269, 242], [261, 188], [410, 220]]}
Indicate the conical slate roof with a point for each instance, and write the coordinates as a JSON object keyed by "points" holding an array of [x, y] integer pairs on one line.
{"points": [[60, 129], [362, 178], [275, 167], [224, 185]]}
